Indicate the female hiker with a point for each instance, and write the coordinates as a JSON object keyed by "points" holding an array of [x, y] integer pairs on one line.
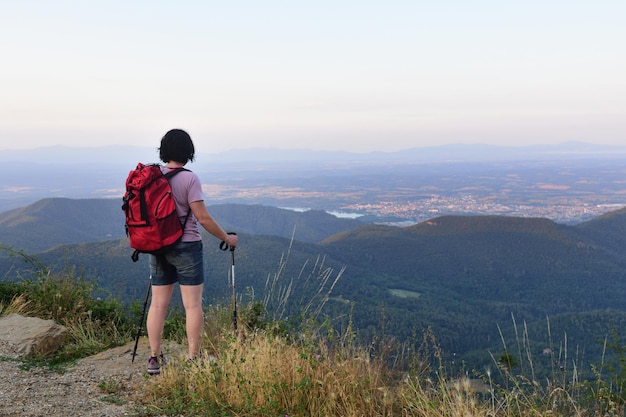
{"points": [[184, 262]]}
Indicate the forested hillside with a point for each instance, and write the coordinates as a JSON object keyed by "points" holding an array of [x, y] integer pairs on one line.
{"points": [[465, 277], [57, 221]]}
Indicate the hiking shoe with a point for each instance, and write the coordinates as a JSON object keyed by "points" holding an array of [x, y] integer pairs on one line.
{"points": [[154, 364]]}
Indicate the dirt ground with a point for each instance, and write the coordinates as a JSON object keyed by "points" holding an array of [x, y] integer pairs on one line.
{"points": [[107, 384]]}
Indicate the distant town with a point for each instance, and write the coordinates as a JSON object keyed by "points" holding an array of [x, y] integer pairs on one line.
{"points": [[417, 211], [566, 192]]}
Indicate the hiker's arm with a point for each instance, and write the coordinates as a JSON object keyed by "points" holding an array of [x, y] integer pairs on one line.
{"points": [[210, 225]]}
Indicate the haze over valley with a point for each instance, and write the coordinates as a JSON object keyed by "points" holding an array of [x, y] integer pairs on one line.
{"points": [[568, 183]]}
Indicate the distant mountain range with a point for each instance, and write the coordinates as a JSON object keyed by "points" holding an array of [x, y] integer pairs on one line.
{"points": [[130, 155], [462, 276]]}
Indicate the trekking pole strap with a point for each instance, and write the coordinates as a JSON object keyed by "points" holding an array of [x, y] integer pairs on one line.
{"points": [[225, 246]]}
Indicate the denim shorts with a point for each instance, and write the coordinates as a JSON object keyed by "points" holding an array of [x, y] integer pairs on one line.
{"points": [[182, 263]]}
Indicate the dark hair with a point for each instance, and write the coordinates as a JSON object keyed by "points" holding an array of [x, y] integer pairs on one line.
{"points": [[177, 146]]}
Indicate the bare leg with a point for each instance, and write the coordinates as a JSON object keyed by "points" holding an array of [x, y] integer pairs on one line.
{"points": [[192, 301], [161, 295]]}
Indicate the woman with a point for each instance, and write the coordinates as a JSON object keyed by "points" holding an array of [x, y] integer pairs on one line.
{"points": [[184, 262]]}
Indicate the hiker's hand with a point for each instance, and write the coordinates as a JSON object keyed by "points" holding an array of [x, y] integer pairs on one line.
{"points": [[231, 240]]}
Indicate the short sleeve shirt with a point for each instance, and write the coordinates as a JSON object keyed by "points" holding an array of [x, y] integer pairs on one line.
{"points": [[187, 189]]}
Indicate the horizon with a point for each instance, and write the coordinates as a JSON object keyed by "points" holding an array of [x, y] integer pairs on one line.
{"points": [[353, 76], [564, 144]]}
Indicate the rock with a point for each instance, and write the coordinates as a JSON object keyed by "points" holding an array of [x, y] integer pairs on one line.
{"points": [[29, 336]]}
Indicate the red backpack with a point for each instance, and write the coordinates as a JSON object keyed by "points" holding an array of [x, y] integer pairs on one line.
{"points": [[151, 220]]}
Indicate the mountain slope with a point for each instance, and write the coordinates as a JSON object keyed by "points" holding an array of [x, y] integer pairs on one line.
{"points": [[607, 231], [307, 226], [475, 256], [464, 275], [59, 221]]}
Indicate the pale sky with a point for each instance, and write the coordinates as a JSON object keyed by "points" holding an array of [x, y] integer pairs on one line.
{"points": [[335, 75]]}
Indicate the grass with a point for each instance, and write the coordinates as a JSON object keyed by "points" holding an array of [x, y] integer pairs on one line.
{"points": [[93, 324], [308, 366], [268, 375], [113, 392], [261, 373]]}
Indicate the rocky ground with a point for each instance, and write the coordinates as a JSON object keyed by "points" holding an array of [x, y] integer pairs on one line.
{"points": [[107, 384]]}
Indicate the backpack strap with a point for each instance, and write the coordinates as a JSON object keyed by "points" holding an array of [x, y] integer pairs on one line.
{"points": [[169, 175], [174, 171]]}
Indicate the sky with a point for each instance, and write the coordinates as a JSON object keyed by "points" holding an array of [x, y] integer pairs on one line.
{"points": [[330, 75]]}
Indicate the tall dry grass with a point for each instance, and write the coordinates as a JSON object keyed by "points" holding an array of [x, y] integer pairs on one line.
{"points": [[315, 370], [268, 373], [262, 374]]}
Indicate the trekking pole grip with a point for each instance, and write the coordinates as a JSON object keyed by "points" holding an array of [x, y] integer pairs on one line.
{"points": [[225, 246]]}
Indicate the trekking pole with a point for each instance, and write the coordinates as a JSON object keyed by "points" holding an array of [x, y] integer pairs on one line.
{"points": [[143, 315], [224, 246]]}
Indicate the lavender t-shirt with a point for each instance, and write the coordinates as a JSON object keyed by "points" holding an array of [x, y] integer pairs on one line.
{"points": [[187, 189]]}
